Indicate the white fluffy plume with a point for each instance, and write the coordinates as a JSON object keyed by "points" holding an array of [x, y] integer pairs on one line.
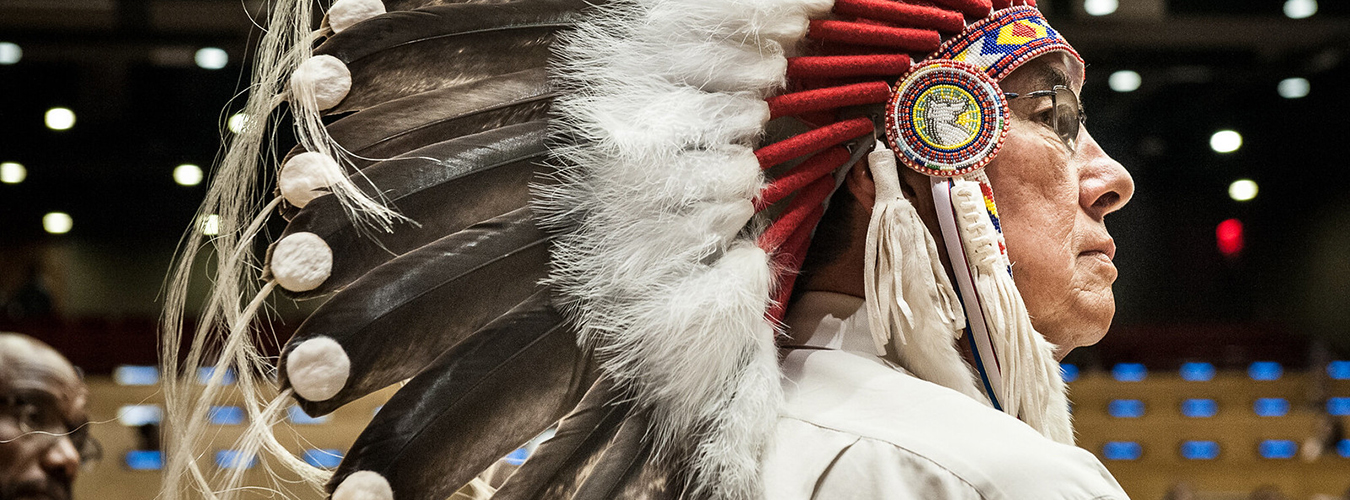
{"points": [[665, 99]]}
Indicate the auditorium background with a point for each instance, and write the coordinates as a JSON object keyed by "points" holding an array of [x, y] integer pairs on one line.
{"points": [[1226, 373]]}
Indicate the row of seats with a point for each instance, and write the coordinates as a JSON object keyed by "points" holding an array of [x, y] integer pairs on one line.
{"points": [[147, 460], [138, 415], [324, 458], [153, 414], [135, 415], [149, 375], [1123, 372], [1273, 449], [1204, 372], [1206, 408]]}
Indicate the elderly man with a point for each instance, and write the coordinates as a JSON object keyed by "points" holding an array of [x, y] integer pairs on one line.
{"points": [[42, 420], [858, 423]]}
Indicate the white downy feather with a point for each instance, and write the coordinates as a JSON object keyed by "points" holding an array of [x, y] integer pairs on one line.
{"points": [[655, 263]]}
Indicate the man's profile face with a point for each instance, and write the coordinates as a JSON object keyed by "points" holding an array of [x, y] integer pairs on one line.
{"points": [[39, 393], [1051, 204]]}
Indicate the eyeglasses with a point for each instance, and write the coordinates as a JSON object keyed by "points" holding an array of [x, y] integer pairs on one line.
{"points": [[1066, 116], [38, 418]]}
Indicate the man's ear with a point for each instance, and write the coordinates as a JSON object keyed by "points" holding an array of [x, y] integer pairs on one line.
{"points": [[860, 185], [916, 187]]}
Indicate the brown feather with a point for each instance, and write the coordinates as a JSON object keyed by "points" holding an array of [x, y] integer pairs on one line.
{"points": [[459, 183], [474, 404], [403, 314], [403, 53]]}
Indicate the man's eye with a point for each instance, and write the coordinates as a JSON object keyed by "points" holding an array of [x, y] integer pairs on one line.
{"points": [[38, 417], [1045, 117]]}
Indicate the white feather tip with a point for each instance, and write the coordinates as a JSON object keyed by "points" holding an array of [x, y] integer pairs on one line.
{"points": [[345, 13], [321, 82]]}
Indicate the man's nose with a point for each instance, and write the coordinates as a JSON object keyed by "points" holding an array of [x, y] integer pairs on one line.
{"points": [[1104, 184], [61, 459]]}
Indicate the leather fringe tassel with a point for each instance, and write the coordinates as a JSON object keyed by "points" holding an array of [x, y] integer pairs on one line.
{"points": [[1033, 389], [911, 304]]}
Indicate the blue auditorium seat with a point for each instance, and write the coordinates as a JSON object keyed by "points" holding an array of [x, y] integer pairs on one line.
{"points": [[1129, 372], [1271, 407], [1197, 372], [325, 458], [298, 416], [1069, 371], [1199, 450], [1199, 408], [226, 415], [1278, 449], [144, 460], [234, 459], [1265, 370], [1125, 408], [136, 375], [1122, 450]]}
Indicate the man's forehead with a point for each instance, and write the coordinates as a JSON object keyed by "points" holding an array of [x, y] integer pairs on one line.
{"points": [[28, 364]]}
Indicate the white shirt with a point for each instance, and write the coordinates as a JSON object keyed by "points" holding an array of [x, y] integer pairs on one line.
{"points": [[855, 426]]}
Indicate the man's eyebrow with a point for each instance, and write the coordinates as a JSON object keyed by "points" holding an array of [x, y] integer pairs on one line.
{"points": [[1047, 77], [39, 396]]}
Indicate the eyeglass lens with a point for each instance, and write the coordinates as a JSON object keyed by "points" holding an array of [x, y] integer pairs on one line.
{"points": [[39, 419], [1069, 116]]}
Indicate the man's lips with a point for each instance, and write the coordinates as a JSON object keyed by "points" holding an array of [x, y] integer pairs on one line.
{"points": [[1105, 248]]}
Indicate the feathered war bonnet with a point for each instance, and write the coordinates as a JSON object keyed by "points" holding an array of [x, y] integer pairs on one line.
{"points": [[681, 227], [681, 154]]}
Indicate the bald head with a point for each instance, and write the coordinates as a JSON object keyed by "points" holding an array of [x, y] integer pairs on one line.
{"points": [[20, 352], [42, 401]]}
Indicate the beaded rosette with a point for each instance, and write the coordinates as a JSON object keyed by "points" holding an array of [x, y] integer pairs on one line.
{"points": [[947, 119]]}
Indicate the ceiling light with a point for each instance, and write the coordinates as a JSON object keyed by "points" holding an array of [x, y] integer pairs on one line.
{"points": [[1225, 141], [211, 58], [1242, 190], [187, 175], [1100, 7], [57, 223], [1293, 88], [238, 122], [60, 118], [211, 225], [1125, 81], [12, 173], [1299, 9], [10, 53]]}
